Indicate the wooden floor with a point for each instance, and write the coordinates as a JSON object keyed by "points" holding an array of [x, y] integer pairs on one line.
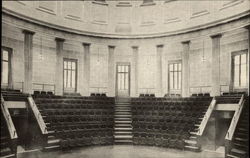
{"points": [[122, 151]]}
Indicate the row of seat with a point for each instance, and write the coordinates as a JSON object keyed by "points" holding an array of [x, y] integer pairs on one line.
{"points": [[78, 121], [166, 122]]}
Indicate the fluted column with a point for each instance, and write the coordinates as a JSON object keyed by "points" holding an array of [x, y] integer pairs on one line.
{"points": [[59, 66], [111, 72], [185, 68], [159, 69], [86, 70], [136, 72], [28, 61], [216, 64]]}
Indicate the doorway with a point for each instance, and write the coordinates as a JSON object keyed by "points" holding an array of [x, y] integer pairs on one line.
{"points": [[69, 75], [123, 79]]}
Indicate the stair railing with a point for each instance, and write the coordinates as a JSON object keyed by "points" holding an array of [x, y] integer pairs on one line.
{"points": [[206, 117], [37, 115], [235, 119], [8, 119]]}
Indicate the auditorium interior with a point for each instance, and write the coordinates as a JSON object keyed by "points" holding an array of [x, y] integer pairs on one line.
{"points": [[125, 79]]}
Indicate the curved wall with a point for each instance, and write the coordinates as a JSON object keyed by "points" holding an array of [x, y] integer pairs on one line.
{"points": [[129, 19], [145, 67]]}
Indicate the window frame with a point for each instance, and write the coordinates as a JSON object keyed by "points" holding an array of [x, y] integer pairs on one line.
{"points": [[233, 55], [10, 52]]}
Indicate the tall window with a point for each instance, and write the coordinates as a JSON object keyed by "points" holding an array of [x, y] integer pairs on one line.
{"points": [[175, 77], [239, 67], [5, 64], [69, 75]]}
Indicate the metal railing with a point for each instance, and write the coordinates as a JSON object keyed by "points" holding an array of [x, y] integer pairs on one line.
{"points": [[8, 119], [206, 117], [44, 87], [37, 115], [235, 119]]}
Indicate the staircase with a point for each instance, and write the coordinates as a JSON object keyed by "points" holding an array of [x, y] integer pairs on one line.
{"points": [[123, 122], [191, 144], [53, 143], [5, 143], [240, 146]]}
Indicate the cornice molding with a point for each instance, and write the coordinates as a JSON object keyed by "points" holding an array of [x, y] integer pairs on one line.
{"points": [[122, 36]]}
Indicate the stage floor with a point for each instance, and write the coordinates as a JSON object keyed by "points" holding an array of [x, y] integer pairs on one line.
{"points": [[122, 151]]}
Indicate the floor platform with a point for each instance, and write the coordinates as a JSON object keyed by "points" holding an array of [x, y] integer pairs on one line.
{"points": [[122, 151]]}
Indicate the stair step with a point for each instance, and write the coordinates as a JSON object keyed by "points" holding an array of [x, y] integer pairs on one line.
{"points": [[237, 151], [242, 129], [193, 142], [193, 137], [5, 152], [54, 141], [9, 156], [123, 125], [123, 122], [192, 148], [241, 139], [51, 148], [122, 129], [193, 133], [123, 137], [240, 145], [231, 156], [123, 133], [125, 142], [123, 115], [123, 119]]}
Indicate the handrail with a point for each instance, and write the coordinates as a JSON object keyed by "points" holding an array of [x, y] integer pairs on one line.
{"points": [[199, 87], [8, 119], [235, 119], [206, 117], [37, 115], [43, 86]]}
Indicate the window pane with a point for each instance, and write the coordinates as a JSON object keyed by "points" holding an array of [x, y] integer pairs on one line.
{"points": [[5, 55], [171, 67], [119, 68], [175, 80], [179, 68], [65, 64], [69, 65], [122, 83], [171, 80], [236, 75], [126, 68], [179, 82], [175, 67], [237, 60], [68, 81], [126, 81], [73, 79], [243, 76], [73, 65], [243, 59], [65, 79], [5, 70]]}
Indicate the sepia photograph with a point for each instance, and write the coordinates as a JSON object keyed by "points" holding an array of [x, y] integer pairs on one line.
{"points": [[125, 79]]}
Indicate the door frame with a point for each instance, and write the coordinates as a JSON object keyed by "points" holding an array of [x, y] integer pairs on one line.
{"points": [[76, 73], [116, 78]]}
